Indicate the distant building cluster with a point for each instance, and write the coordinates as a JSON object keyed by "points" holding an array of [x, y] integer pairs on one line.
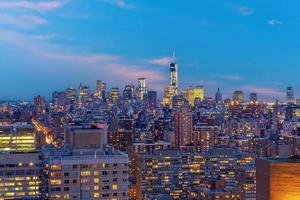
{"points": [[127, 143]]}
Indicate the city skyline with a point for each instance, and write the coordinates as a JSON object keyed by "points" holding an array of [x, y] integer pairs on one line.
{"points": [[59, 44]]}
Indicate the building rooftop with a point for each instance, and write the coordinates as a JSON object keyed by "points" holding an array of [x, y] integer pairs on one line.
{"points": [[292, 159]]}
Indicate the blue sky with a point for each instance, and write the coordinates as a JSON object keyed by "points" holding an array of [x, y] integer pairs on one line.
{"points": [[252, 45]]}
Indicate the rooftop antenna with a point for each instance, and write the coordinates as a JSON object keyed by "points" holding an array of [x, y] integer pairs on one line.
{"points": [[173, 56]]}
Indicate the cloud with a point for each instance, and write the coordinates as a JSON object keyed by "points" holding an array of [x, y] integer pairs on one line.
{"points": [[134, 72], [160, 61], [244, 10], [23, 21], [114, 67], [274, 22], [119, 3], [266, 91], [230, 77], [37, 6]]}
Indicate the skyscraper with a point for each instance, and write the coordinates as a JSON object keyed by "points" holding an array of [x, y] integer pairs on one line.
{"points": [[278, 178], [174, 74], [128, 93], [142, 89], [152, 99], [183, 120], [218, 97], [253, 97], [114, 94], [238, 96], [100, 90], [39, 106], [194, 93], [290, 94]]}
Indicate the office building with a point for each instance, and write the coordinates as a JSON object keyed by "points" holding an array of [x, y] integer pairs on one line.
{"points": [[218, 97], [18, 138], [253, 97], [39, 106], [168, 172], [20, 176], [290, 96], [114, 94], [246, 180], [87, 174], [86, 136], [121, 133], [100, 90], [278, 178], [183, 120], [142, 88], [128, 93], [238, 96], [71, 95], [204, 137], [152, 100], [194, 93], [174, 75]]}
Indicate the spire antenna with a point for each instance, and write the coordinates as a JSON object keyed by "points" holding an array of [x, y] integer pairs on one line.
{"points": [[173, 56]]}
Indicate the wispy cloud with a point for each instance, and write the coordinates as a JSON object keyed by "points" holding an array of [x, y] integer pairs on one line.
{"points": [[160, 61], [266, 91], [37, 6], [119, 3], [97, 63], [23, 21], [244, 10], [274, 22], [230, 77]]}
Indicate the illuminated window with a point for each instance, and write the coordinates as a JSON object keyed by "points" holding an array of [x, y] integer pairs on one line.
{"points": [[55, 167], [114, 187], [55, 182], [96, 180], [96, 187], [96, 195], [85, 173]]}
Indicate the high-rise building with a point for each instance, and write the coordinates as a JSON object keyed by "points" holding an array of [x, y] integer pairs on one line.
{"points": [[204, 137], [253, 97], [179, 101], [58, 100], [168, 96], [94, 136], [152, 99], [290, 96], [114, 94], [183, 120], [121, 132], [246, 179], [142, 88], [174, 74], [278, 178], [21, 138], [84, 93], [169, 172], [90, 174], [238, 96], [194, 93], [100, 90], [20, 176], [218, 97], [70, 95], [128, 93], [215, 188], [39, 106]]}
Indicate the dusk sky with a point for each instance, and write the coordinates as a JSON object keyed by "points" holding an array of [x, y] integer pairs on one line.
{"points": [[252, 45]]}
